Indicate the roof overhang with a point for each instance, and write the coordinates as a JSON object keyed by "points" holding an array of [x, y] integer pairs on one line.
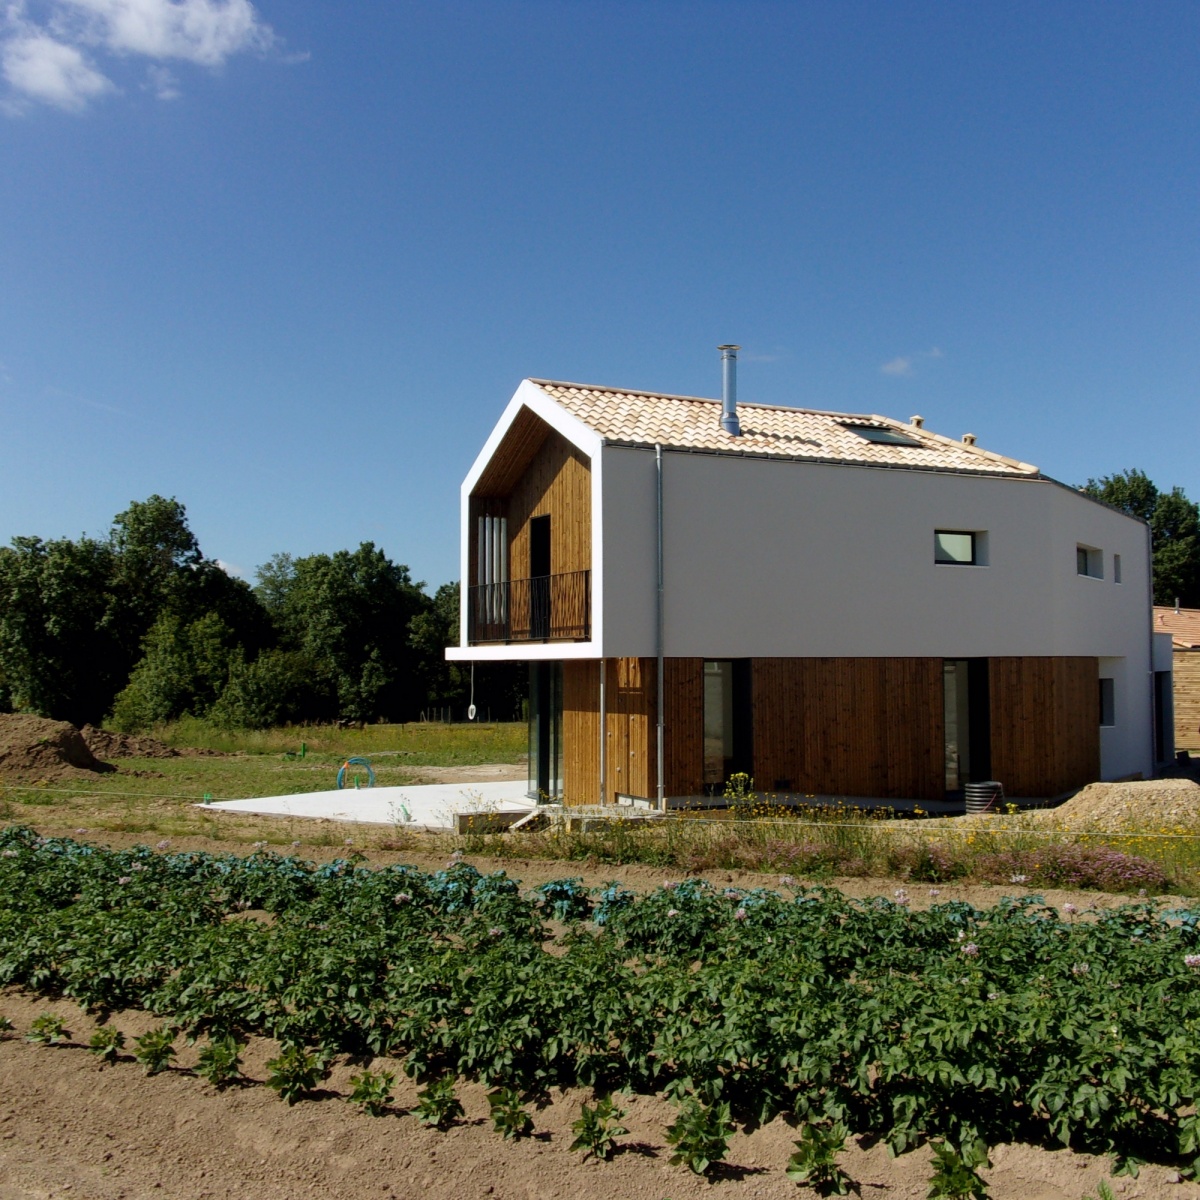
{"points": [[530, 398]]}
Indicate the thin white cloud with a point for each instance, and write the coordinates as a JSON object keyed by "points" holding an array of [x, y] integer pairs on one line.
{"points": [[162, 81], [54, 53], [230, 568], [39, 68], [905, 365], [199, 31]]}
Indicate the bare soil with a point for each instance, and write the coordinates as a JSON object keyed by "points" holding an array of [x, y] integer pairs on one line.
{"points": [[107, 743], [33, 748], [71, 1127]]}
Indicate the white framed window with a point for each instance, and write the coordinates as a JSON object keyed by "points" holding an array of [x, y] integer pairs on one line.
{"points": [[957, 547], [1089, 561], [1108, 702]]}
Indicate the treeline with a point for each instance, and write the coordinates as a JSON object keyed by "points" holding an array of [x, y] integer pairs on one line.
{"points": [[139, 628], [1174, 522]]}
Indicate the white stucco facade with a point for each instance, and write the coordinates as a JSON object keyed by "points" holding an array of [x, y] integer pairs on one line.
{"points": [[780, 558]]}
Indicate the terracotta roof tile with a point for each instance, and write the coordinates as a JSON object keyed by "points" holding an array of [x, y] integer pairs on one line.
{"points": [[1183, 625], [693, 423]]}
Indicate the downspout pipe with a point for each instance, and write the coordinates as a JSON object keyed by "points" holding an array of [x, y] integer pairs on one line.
{"points": [[1150, 679], [658, 467], [603, 732], [729, 417]]}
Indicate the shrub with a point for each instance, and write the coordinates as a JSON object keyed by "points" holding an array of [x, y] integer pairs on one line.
{"points": [[927, 862], [220, 1061], [107, 1043], [155, 1049], [815, 1161], [597, 1129], [508, 1114], [437, 1105], [956, 1175], [700, 1134], [372, 1091], [48, 1030], [1076, 866], [296, 1073]]}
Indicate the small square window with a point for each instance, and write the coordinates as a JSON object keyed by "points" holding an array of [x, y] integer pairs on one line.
{"points": [[956, 547], [1107, 703], [1089, 561]]}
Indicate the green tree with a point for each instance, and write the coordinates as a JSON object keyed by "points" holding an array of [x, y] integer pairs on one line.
{"points": [[62, 653], [1174, 522], [183, 670], [349, 614]]}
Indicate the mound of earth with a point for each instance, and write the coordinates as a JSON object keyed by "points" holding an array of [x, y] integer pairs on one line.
{"points": [[37, 748], [106, 743], [1151, 804]]}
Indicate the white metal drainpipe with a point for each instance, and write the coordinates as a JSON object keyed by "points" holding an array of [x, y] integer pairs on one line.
{"points": [[1153, 697], [658, 463], [603, 734]]}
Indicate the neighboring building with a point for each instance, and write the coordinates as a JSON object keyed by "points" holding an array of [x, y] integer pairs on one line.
{"points": [[1183, 626], [849, 605]]}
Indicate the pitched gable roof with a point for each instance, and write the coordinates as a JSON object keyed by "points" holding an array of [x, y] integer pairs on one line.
{"points": [[1182, 624], [635, 418]]}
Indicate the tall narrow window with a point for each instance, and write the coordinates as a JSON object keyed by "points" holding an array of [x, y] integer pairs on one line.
{"points": [[491, 596], [1108, 707], [1116, 568], [718, 724]]}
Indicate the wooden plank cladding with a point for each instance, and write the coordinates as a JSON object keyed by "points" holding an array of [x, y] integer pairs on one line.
{"points": [[536, 472], [558, 484], [631, 729], [1186, 699], [849, 726], [1045, 724], [832, 726]]}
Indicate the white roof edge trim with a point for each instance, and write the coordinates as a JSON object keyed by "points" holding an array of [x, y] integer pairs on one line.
{"points": [[529, 395]]}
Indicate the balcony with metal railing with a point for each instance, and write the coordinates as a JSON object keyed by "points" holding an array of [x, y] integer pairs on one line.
{"points": [[546, 608]]}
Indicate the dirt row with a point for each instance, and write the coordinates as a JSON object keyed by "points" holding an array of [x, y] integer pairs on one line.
{"points": [[72, 1127]]}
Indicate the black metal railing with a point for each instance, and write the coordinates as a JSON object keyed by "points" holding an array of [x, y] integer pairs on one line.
{"points": [[546, 608]]}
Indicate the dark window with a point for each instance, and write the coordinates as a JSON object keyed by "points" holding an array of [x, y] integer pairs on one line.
{"points": [[1107, 703], [955, 547], [1089, 561], [882, 435]]}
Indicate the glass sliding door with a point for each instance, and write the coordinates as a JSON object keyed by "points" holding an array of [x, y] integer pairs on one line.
{"points": [[966, 710], [545, 731]]}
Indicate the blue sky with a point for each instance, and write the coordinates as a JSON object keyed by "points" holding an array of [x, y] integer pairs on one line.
{"points": [[288, 262]]}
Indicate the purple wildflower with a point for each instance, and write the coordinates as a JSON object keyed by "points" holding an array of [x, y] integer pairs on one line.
{"points": [[971, 950], [1191, 960], [402, 897], [1070, 909], [740, 915], [672, 912], [1018, 879], [125, 879], [1080, 969], [495, 931]]}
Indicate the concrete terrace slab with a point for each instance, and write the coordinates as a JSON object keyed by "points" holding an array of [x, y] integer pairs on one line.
{"points": [[420, 806]]}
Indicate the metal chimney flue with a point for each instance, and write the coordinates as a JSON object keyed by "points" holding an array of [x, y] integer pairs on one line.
{"points": [[729, 417]]}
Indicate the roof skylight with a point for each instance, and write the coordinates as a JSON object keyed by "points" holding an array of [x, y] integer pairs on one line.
{"points": [[881, 435]]}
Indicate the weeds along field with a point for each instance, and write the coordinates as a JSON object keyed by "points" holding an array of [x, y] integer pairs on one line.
{"points": [[953, 1025]]}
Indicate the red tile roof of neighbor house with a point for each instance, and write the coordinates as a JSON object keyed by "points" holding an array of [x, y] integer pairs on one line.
{"points": [[694, 423], [1182, 624]]}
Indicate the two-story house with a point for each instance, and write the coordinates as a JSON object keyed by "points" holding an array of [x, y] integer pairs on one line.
{"points": [[833, 603]]}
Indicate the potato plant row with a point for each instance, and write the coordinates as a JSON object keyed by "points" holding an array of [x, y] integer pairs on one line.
{"points": [[1015, 1023]]}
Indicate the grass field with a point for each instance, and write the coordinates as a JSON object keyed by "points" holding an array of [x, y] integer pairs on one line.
{"points": [[157, 795]]}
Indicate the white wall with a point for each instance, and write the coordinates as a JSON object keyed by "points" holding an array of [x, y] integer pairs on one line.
{"points": [[781, 559]]}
